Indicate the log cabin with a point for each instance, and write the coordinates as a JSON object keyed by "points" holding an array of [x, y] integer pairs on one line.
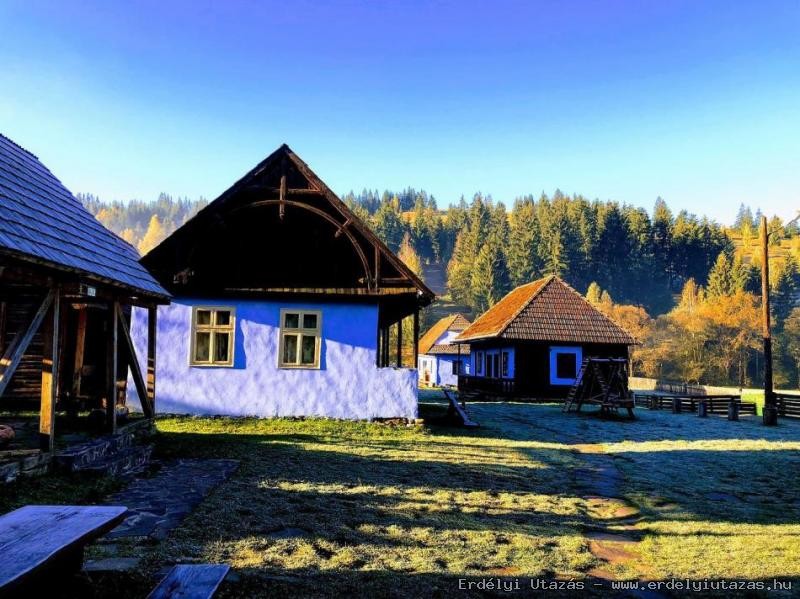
{"points": [[531, 343], [441, 360], [284, 303], [66, 288]]}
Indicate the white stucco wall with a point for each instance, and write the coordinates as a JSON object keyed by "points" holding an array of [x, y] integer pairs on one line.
{"points": [[347, 385]]}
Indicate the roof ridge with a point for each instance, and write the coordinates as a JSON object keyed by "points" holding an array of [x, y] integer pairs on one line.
{"points": [[13, 143], [526, 303]]}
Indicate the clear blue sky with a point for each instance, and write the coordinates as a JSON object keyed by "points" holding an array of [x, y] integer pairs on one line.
{"points": [[696, 101]]}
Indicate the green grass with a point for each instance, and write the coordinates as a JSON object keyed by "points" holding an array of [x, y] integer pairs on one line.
{"points": [[328, 508]]}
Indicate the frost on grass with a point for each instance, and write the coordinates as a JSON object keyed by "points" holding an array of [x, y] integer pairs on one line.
{"points": [[327, 507]]}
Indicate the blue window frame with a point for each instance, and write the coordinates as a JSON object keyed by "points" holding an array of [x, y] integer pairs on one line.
{"points": [[564, 364]]}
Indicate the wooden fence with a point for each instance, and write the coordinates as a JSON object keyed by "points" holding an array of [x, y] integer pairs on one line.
{"points": [[788, 405], [717, 404]]}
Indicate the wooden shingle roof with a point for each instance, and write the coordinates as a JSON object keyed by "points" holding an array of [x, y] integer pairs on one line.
{"points": [[42, 222], [453, 322], [546, 310]]}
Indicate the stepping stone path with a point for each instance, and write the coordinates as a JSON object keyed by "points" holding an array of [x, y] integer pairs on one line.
{"points": [[159, 503], [614, 542]]}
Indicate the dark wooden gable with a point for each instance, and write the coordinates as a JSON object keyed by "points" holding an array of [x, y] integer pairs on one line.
{"points": [[280, 229]]}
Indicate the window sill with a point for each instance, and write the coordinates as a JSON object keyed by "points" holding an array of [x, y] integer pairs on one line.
{"points": [[211, 365], [299, 367]]}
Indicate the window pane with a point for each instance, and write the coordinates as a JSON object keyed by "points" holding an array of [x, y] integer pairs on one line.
{"points": [[566, 366], [223, 318], [505, 363], [291, 320], [204, 317], [222, 347], [290, 349], [309, 349], [202, 347], [309, 321]]}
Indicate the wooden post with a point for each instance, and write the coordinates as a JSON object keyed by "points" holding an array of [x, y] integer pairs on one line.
{"points": [[111, 368], [770, 412], [152, 328], [49, 391], [400, 343], [80, 345], [386, 340], [415, 338]]}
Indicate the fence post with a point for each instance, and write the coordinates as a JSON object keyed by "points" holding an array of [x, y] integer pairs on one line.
{"points": [[702, 409], [733, 410], [676, 405]]}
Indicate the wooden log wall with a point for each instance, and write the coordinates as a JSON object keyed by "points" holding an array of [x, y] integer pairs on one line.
{"points": [[25, 387]]}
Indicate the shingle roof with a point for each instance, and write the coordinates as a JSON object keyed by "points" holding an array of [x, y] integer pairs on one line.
{"points": [[448, 349], [546, 310], [453, 322], [41, 219]]}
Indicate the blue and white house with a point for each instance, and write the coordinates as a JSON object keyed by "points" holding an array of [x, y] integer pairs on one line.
{"points": [[283, 301], [440, 360]]}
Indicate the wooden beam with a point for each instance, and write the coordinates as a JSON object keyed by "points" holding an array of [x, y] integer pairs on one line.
{"points": [[152, 328], [49, 391], [341, 229], [376, 280], [16, 349], [415, 339], [290, 191], [3, 312], [282, 194], [133, 363], [111, 368], [400, 343], [80, 347]]}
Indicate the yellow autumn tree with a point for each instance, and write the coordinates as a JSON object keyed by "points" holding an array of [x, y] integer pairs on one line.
{"points": [[154, 235]]}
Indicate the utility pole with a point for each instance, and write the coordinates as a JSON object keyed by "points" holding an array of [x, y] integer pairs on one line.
{"points": [[770, 412]]}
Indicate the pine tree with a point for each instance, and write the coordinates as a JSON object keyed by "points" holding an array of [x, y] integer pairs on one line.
{"points": [[720, 281], [485, 281], [388, 225], [459, 271], [523, 262]]}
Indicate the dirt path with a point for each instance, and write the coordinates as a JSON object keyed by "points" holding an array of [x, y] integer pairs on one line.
{"points": [[615, 537]]}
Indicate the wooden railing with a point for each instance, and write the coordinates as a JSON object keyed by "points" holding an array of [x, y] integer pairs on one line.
{"points": [[486, 385], [788, 405], [717, 404]]}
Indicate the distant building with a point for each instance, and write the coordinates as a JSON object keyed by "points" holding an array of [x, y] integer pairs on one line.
{"points": [[532, 342], [283, 304], [440, 360]]}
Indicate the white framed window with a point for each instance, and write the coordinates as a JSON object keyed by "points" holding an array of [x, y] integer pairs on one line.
{"points": [[213, 335], [301, 339], [564, 364]]}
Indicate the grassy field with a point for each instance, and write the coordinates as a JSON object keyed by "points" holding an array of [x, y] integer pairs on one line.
{"points": [[325, 508]]}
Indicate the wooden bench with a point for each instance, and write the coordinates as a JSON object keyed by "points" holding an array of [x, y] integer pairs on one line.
{"points": [[195, 581], [49, 538]]}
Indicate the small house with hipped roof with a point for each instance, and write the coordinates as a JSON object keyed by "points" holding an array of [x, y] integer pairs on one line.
{"points": [[440, 360], [532, 342], [283, 303]]}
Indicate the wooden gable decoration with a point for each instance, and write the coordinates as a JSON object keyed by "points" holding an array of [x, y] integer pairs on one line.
{"points": [[280, 229]]}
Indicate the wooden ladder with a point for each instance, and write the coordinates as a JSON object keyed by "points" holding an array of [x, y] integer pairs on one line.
{"points": [[573, 391]]}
